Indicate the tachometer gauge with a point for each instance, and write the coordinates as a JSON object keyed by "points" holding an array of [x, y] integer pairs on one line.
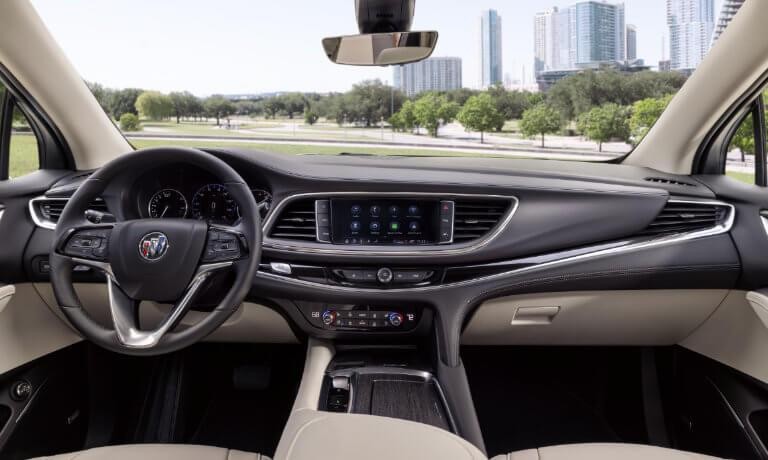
{"points": [[169, 204], [214, 203]]}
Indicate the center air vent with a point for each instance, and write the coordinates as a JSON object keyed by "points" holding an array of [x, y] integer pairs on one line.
{"points": [[296, 222], [679, 217], [47, 211], [661, 180], [476, 218]]}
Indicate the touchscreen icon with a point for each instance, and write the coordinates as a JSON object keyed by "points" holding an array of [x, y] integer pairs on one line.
{"points": [[375, 211]]}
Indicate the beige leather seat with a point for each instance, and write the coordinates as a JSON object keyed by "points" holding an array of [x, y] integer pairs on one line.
{"points": [[158, 452], [602, 452]]}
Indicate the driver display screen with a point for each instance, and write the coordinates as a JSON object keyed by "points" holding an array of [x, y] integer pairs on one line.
{"points": [[386, 222]]}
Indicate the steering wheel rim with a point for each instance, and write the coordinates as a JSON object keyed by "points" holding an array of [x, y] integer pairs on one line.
{"points": [[134, 275]]}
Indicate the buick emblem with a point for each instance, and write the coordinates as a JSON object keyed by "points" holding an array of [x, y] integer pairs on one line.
{"points": [[153, 246]]}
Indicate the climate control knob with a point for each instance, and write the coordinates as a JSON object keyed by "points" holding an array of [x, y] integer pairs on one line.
{"points": [[329, 317], [395, 319], [385, 275]]}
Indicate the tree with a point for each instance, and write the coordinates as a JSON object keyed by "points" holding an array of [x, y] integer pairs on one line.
{"points": [[124, 101], [511, 104], [273, 106], [645, 112], [129, 122], [182, 104], [370, 101], [744, 138], [154, 105], [480, 114], [293, 103], [219, 107], [310, 117], [541, 120], [579, 93], [601, 124], [431, 111]]}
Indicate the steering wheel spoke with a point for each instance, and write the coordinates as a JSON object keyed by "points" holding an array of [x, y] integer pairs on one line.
{"points": [[125, 310]]}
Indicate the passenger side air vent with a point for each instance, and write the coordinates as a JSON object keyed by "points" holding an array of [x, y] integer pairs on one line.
{"points": [[475, 219], [296, 222], [661, 180], [679, 217], [47, 211]]}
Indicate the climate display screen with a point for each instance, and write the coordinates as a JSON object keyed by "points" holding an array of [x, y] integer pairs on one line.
{"points": [[387, 222]]}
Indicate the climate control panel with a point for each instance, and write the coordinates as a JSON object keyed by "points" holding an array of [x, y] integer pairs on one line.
{"points": [[360, 318]]}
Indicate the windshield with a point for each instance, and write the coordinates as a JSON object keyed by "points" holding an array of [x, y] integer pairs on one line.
{"points": [[557, 79]]}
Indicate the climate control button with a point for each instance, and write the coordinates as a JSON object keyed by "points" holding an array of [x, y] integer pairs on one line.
{"points": [[385, 275]]}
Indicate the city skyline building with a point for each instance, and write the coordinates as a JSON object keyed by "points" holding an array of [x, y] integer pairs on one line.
{"points": [[631, 46], [433, 74], [691, 25], [492, 71], [727, 12], [582, 35]]}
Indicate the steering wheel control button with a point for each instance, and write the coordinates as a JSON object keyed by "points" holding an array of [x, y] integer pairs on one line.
{"points": [[88, 244], [222, 246], [384, 275]]}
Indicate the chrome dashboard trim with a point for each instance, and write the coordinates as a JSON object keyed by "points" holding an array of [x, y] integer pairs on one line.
{"points": [[624, 247], [39, 220], [438, 250]]}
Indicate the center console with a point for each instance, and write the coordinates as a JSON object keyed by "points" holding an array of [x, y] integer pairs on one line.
{"points": [[389, 383]]}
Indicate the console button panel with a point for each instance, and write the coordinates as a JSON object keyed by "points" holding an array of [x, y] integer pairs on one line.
{"points": [[360, 318]]}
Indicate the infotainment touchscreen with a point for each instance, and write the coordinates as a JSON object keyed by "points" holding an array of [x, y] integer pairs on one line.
{"points": [[385, 221]]}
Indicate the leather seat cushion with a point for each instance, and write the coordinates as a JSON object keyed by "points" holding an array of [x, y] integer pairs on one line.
{"points": [[158, 452], [602, 452]]}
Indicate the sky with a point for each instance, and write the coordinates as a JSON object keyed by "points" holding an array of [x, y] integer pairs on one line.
{"points": [[257, 46]]}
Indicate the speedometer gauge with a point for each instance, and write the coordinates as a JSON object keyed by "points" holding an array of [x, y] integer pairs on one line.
{"points": [[214, 203], [169, 204]]}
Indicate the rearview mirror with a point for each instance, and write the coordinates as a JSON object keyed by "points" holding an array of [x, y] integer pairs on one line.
{"points": [[380, 49]]}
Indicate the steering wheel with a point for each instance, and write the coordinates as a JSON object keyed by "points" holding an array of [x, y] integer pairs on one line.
{"points": [[161, 260]]}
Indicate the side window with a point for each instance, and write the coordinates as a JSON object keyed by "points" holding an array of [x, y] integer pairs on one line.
{"points": [[746, 151], [19, 146]]}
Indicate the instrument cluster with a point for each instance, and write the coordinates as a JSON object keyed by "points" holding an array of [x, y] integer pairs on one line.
{"points": [[187, 193]]}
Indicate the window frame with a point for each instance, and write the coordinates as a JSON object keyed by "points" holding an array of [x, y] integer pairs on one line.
{"points": [[53, 150]]}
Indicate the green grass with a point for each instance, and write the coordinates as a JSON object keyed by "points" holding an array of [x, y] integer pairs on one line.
{"points": [[748, 178], [25, 157]]}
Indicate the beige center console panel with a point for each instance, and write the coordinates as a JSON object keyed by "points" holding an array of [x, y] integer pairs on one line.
{"points": [[314, 435]]}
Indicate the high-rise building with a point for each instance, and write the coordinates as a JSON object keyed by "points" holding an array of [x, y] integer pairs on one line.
{"points": [[433, 74], [631, 48], [729, 10], [552, 40], [691, 24], [490, 48], [598, 30], [583, 35]]}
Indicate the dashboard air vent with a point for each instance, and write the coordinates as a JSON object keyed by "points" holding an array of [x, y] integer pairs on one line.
{"points": [[296, 222], [678, 217], [47, 211], [475, 219], [661, 180]]}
